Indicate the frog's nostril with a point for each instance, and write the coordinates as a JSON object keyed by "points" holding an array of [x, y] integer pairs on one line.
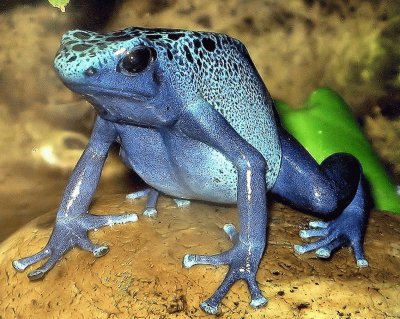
{"points": [[90, 71]]}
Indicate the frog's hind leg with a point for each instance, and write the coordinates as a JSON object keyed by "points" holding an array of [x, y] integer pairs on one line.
{"points": [[152, 197], [333, 190]]}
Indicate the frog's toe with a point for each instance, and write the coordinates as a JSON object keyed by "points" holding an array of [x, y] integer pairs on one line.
{"points": [[323, 246], [215, 260], [138, 194], [97, 221], [318, 229], [323, 253], [318, 224], [42, 270], [308, 233], [21, 264], [181, 203], [362, 263], [97, 250], [208, 307], [150, 212], [359, 254], [232, 233]]}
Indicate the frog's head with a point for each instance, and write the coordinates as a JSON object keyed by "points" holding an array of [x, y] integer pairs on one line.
{"points": [[121, 73]]}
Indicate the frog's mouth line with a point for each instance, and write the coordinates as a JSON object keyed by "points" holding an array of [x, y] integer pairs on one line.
{"points": [[96, 91]]}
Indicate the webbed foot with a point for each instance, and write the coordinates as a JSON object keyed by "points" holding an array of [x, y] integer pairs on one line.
{"points": [[345, 231], [243, 260], [68, 233]]}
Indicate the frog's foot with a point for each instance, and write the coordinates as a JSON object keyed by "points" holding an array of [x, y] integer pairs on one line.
{"points": [[243, 260], [152, 196], [181, 203], [341, 232], [68, 233]]}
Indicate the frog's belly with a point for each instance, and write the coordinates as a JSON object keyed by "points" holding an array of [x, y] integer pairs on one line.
{"points": [[179, 166]]}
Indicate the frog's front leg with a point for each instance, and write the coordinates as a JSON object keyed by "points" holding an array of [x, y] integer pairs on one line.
{"points": [[73, 220], [202, 122]]}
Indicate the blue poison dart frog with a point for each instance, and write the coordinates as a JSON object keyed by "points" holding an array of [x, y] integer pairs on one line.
{"points": [[195, 121]]}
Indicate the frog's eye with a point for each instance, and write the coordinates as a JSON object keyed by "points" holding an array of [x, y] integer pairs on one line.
{"points": [[136, 61]]}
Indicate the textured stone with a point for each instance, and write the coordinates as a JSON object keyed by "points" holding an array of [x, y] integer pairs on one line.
{"points": [[142, 276]]}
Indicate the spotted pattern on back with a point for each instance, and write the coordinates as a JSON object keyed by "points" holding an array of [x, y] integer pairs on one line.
{"points": [[213, 66]]}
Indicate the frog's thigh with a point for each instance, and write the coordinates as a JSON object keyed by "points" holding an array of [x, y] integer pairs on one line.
{"points": [[312, 187]]}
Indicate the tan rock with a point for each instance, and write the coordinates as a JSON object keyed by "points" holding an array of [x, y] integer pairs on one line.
{"points": [[142, 276]]}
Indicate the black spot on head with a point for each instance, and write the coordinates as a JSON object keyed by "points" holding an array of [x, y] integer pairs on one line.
{"points": [[170, 56], [218, 42], [80, 47], [153, 36], [208, 44], [188, 54], [197, 43], [81, 35], [72, 59], [118, 38], [175, 36]]}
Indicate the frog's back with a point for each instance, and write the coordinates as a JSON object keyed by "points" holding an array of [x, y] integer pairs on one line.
{"points": [[218, 68]]}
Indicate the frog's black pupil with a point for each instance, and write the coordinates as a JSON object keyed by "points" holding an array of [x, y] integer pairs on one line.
{"points": [[136, 61]]}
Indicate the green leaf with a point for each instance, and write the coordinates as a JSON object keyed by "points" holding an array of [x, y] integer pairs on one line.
{"points": [[325, 125], [59, 4]]}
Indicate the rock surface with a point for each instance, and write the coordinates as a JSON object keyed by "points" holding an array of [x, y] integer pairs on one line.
{"points": [[142, 276]]}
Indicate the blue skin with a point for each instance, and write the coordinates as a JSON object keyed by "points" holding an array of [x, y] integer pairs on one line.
{"points": [[195, 121]]}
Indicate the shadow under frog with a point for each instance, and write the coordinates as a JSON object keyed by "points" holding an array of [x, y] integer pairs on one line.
{"points": [[195, 121]]}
